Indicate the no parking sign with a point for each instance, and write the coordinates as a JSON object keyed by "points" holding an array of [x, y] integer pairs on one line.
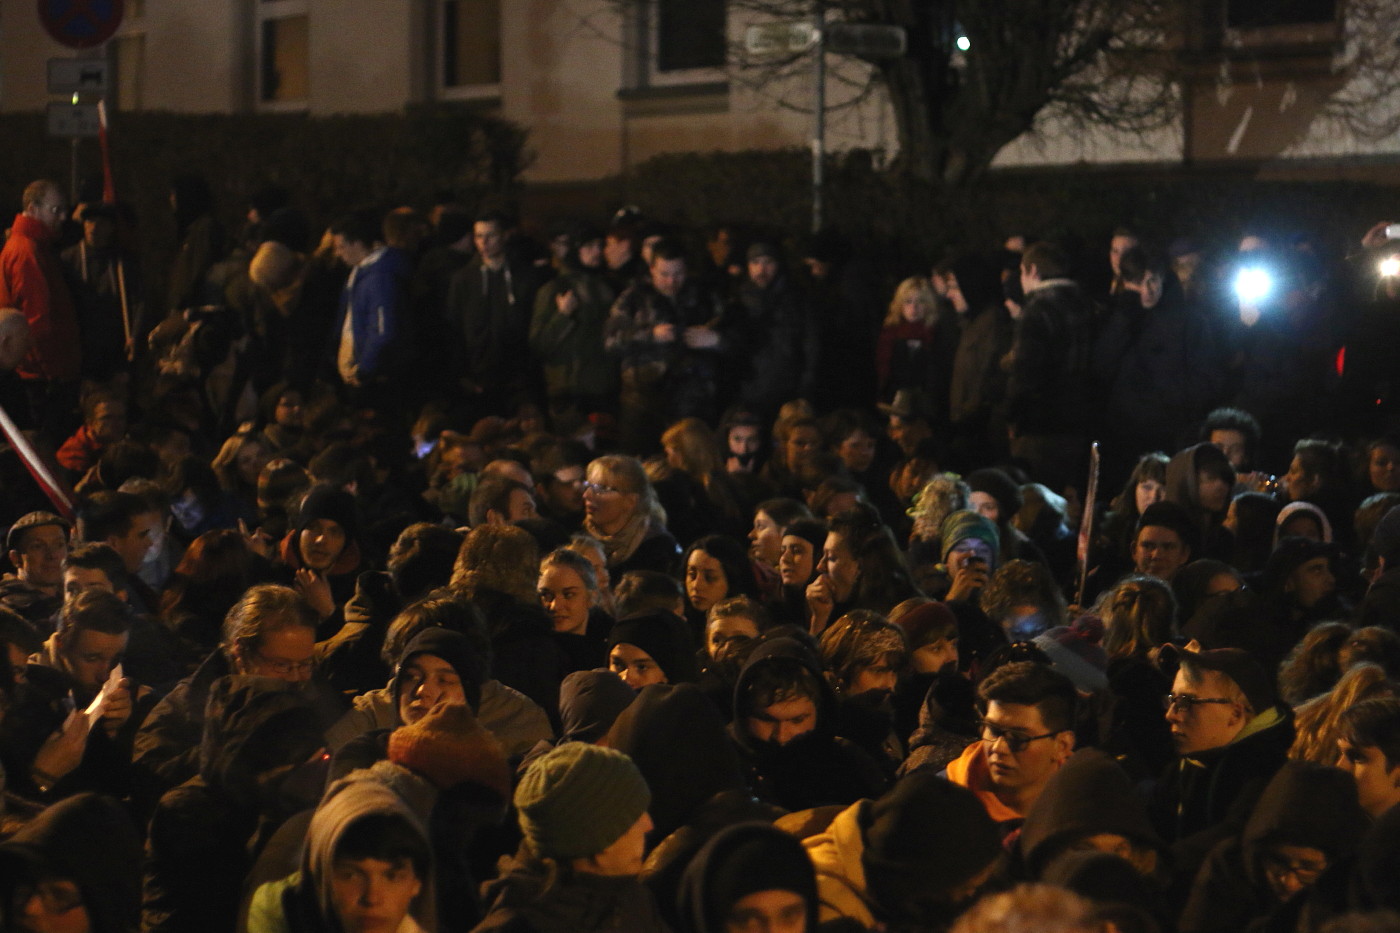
{"points": [[81, 24]]}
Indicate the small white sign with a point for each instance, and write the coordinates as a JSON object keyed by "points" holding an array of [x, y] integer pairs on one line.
{"points": [[77, 76], [779, 38], [73, 120]]}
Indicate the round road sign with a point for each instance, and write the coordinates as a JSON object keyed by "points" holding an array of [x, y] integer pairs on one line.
{"points": [[81, 24]]}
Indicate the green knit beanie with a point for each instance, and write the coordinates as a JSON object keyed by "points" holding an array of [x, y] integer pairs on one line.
{"points": [[579, 799], [965, 524]]}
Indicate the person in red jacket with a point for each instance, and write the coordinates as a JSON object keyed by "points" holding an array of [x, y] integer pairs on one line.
{"points": [[31, 279]]}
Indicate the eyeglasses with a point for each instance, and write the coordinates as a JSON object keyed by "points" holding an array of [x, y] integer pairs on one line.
{"points": [[1188, 703], [600, 489], [1306, 873], [282, 667], [1017, 742]]}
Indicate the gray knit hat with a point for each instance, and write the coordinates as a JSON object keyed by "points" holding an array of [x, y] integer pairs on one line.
{"points": [[579, 799]]}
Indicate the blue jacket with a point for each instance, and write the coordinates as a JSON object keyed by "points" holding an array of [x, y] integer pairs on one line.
{"points": [[374, 297]]}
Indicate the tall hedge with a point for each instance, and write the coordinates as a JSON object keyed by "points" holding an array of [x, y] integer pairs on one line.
{"points": [[329, 164], [909, 224]]}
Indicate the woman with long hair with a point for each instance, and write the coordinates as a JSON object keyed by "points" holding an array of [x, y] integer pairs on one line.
{"points": [[693, 486], [861, 567]]}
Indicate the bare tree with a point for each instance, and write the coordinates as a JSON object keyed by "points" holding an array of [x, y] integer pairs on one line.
{"points": [[980, 73]]}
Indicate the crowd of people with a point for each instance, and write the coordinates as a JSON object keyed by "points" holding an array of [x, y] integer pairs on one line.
{"points": [[431, 577]]}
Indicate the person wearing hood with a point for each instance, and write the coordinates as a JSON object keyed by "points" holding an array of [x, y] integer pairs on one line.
{"points": [[697, 786], [76, 866], [1200, 480], [323, 553], [749, 876], [438, 665], [1165, 540], [583, 814], [887, 863], [1090, 804], [653, 647], [1028, 718], [784, 731], [367, 866], [1307, 820], [1231, 737], [262, 759]]}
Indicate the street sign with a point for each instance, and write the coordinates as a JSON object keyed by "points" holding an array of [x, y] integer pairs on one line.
{"points": [[779, 38], [81, 24], [73, 120], [865, 41], [77, 76]]}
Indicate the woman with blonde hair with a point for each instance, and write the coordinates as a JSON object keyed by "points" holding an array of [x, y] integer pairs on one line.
{"points": [[693, 486], [1315, 723], [622, 511], [909, 353]]}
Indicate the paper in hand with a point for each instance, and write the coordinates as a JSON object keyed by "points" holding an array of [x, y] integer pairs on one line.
{"points": [[99, 704]]}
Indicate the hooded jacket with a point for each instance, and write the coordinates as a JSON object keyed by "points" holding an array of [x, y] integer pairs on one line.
{"points": [[1304, 805], [697, 787], [90, 840], [1183, 488], [301, 902], [813, 770], [1090, 794], [222, 817]]}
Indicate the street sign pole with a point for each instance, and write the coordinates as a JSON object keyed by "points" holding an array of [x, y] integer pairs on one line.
{"points": [[818, 110]]}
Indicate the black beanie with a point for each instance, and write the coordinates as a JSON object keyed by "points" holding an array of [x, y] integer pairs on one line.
{"points": [[909, 842], [1168, 514], [740, 860], [454, 648], [665, 637], [1000, 487], [333, 503]]}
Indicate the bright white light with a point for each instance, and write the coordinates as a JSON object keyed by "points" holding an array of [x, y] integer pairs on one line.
{"points": [[1390, 266], [963, 44], [1253, 285]]}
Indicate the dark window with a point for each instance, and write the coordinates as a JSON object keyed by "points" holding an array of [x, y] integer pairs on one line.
{"points": [[689, 34], [471, 42], [1256, 14]]}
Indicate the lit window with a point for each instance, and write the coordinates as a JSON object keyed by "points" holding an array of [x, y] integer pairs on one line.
{"points": [[283, 31]]}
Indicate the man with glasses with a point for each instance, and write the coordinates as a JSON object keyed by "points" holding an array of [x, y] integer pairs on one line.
{"points": [[1028, 713], [270, 632], [31, 279], [1307, 821], [1231, 736]]}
